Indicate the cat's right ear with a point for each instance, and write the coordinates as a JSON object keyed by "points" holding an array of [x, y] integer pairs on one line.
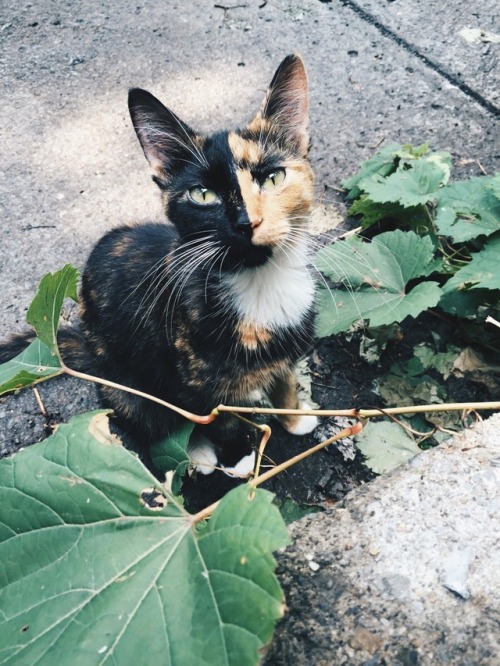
{"points": [[164, 138]]}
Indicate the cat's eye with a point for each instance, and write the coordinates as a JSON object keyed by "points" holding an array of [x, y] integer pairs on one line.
{"points": [[273, 179], [202, 195]]}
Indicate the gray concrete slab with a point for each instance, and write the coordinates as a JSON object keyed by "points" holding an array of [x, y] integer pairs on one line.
{"points": [[405, 570], [459, 39]]}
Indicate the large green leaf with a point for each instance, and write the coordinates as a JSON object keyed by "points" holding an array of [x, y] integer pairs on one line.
{"points": [[401, 158], [31, 366], [373, 278], [45, 309], [482, 272], [172, 451], [467, 209], [100, 565]]}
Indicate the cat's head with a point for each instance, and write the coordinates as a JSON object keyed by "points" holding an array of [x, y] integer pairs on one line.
{"points": [[246, 192]]}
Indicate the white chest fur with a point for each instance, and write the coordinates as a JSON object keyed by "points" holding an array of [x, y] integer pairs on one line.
{"points": [[274, 295]]}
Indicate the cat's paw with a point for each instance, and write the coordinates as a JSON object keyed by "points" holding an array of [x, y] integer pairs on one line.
{"points": [[304, 424], [202, 455], [243, 469]]}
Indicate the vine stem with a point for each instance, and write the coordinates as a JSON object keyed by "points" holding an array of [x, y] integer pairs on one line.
{"points": [[364, 413], [346, 432], [355, 413], [202, 420]]}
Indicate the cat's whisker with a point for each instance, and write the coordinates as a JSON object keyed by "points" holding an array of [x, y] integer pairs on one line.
{"points": [[360, 266], [178, 266], [183, 276], [158, 266], [161, 264], [220, 253], [157, 281]]}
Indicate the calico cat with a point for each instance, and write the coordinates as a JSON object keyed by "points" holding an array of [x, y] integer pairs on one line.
{"points": [[216, 306]]}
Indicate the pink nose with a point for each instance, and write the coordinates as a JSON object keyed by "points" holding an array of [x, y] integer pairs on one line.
{"points": [[256, 221]]}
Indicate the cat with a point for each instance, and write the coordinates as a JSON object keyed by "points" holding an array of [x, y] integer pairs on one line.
{"points": [[216, 305]]}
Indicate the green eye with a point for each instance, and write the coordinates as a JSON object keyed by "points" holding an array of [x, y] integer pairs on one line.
{"points": [[201, 195], [273, 179]]}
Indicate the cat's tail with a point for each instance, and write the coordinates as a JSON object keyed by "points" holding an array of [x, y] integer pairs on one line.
{"points": [[71, 343]]}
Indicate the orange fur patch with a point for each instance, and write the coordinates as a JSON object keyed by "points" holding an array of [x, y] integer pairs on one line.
{"points": [[252, 336], [244, 151]]}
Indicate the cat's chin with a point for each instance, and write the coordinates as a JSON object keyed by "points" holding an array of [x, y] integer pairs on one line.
{"points": [[257, 259], [250, 257]]}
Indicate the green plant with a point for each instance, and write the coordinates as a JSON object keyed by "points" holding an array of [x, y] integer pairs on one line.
{"points": [[443, 251]]}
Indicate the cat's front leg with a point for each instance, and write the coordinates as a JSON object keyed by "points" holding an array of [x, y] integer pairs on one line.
{"points": [[283, 395]]}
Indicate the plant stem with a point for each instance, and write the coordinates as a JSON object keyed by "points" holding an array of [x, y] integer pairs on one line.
{"points": [[355, 413], [346, 432], [490, 320], [365, 413], [202, 420]]}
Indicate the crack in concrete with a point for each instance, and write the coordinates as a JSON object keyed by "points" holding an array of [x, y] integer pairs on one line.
{"points": [[411, 48]]}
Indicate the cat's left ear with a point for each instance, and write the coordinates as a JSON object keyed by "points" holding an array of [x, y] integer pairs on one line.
{"points": [[286, 103]]}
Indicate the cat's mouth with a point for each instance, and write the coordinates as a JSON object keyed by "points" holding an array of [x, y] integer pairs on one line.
{"points": [[250, 256]]}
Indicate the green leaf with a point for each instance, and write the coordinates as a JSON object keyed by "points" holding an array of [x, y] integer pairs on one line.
{"points": [[409, 185], [172, 451], [467, 209], [440, 361], [372, 212], [482, 272], [385, 446], [373, 278], [380, 164], [170, 454], [404, 391], [99, 564], [45, 309], [467, 303], [31, 366], [292, 511]]}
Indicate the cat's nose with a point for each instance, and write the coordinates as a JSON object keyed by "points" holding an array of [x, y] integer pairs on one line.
{"points": [[244, 222]]}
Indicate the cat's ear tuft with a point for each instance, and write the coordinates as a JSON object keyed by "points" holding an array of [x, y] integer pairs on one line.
{"points": [[286, 103], [163, 136]]}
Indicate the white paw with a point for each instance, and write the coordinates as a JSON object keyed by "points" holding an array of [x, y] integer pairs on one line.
{"points": [[243, 469], [305, 424], [201, 454]]}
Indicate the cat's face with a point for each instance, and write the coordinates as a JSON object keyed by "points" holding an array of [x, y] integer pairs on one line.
{"points": [[240, 195]]}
